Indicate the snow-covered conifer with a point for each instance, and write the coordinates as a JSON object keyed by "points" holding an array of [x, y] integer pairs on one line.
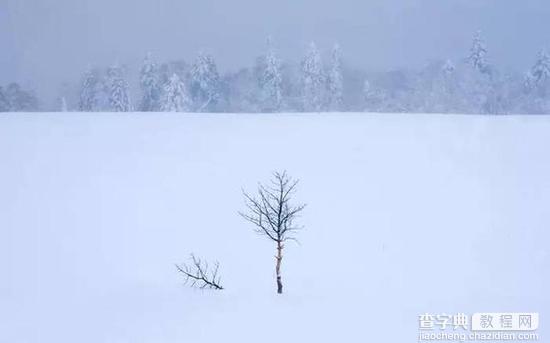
{"points": [[335, 80], [4, 104], [205, 82], [175, 98], [20, 100], [272, 81], [478, 53], [312, 80], [540, 72], [63, 104], [375, 99], [119, 98], [88, 101], [150, 85]]}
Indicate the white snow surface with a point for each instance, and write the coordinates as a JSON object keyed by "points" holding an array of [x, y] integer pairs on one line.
{"points": [[407, 214]]}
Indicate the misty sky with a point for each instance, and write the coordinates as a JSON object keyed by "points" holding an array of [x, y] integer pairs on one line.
{"points": [[46, 42]]}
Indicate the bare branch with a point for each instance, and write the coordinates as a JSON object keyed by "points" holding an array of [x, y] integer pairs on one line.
{"points": [[271, 212], [199, 275]]}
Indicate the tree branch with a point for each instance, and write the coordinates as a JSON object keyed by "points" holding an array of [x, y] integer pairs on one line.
{"points": [[199, 275]]}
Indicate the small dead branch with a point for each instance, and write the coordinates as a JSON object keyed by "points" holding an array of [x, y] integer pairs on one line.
{"points": [[198, 274]]}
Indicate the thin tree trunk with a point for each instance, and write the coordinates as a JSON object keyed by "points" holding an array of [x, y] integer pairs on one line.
{"points": [[279, 259]]}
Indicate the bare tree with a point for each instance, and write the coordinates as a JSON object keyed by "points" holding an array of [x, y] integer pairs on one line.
{"points": [[198, 274], [273, 214]]}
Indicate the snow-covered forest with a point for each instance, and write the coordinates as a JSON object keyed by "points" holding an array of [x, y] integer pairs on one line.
{"points": [[321, 82]]}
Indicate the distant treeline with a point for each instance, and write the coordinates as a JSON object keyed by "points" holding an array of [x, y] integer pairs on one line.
{"points": [[470, 85], [15, 99]]}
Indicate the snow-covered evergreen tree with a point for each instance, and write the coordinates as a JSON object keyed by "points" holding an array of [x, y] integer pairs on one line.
{"points": [[205, 83], [375, 99], [335, 80], [119, 97], [537, 86], [63, 104], [88, 100], [272, 81], [20, 100], [447, 91], [447, 84], [174, 97], [540, 72], [478, 52], [312, 80], [4, 105], [150, 85], [479, 83]]}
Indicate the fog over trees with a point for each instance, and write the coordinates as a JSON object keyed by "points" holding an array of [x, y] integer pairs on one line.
{"points": [[322, 81]]}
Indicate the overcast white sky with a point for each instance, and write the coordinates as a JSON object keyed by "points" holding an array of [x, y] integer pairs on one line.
{"points": [[45, 42]]}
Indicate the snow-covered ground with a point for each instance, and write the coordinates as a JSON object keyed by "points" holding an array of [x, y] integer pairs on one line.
{"points": [[406, 214]]}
